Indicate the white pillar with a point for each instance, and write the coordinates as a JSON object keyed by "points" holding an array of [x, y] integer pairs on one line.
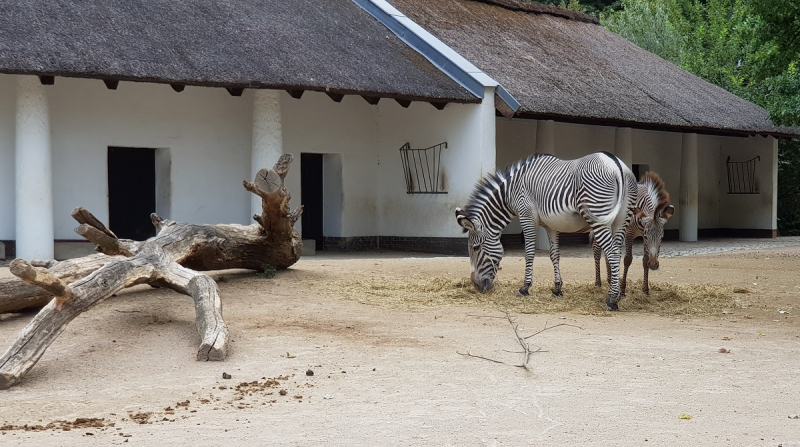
{"points": [[545, 137], [545, 144], [488, 122], [687, 205], [267, 136], [622, 145], [33, 172], [774, 184]]}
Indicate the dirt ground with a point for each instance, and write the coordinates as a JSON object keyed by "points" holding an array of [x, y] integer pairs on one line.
{"points": [[125, 372]]}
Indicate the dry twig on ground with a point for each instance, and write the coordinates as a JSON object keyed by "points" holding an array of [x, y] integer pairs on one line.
{"points": [[522, 340]]}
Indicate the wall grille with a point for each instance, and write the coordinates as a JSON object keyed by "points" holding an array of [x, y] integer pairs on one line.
{"points": [[421, 168], [742, 176]]}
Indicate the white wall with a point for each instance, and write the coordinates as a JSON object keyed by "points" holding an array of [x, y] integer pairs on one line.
{"points": [[8, 103], [469, 132], [316, 124], [745, 210], [206, 130]]}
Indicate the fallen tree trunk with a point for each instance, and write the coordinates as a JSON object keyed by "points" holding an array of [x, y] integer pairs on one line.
{"points": [[171, 259], [16, 294]]}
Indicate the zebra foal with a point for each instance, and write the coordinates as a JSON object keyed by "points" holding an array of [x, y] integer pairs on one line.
{"points": [[652, 211], [594, 193]]}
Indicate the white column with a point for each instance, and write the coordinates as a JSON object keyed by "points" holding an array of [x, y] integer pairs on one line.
{"points": [[488, 133], [33, 172], [545, 137], [622, 145], [267, 136], [687, 205], [774, 184], [545, 144]]}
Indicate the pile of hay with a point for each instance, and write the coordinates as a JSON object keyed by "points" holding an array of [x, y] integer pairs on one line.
{"points": [[581, 298]]}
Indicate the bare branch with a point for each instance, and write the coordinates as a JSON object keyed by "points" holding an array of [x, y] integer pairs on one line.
{"points": [[552, 327], [83, 216], [42, 278], [527, 351], [294, 215]]}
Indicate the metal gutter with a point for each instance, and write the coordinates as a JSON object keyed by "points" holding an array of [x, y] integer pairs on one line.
{"points": [[442, 56]]}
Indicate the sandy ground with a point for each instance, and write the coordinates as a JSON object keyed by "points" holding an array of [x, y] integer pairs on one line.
{"points": [[389, 375]]}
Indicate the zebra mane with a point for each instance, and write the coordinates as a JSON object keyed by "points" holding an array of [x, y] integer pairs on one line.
{"points": [[491, 183], [655, 190]]}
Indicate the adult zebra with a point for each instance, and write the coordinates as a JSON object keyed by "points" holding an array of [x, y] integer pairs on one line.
{"points": [[652, 211], [594, 193]]}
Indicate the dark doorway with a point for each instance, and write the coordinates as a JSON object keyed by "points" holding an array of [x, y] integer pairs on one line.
{"points": [[131, 192], [311, 196]]}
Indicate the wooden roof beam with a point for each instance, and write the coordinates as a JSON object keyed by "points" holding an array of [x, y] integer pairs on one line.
{"points": [[336, 97], [47, 80], [235, 91], [438, 105], [111, 84], [403, 102], [177, 87], [372, 100]]}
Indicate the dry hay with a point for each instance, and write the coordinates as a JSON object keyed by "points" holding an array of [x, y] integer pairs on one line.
{"points": [[581, 298]]}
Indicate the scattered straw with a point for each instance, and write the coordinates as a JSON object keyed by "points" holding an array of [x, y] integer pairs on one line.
{"points": [[581, 298]]}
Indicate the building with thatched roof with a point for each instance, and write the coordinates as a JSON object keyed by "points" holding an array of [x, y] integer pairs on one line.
{"points": [[393, 111], [127, 108], [582, 88]]}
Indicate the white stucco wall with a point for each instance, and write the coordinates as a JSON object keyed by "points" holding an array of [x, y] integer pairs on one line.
{"points": [[7, 126], [206, 130], [316, 124], [469, 132], [750, 211]]}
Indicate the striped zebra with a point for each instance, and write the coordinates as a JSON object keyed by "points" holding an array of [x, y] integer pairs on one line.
{"points": [[594, 193], [652, 211]]}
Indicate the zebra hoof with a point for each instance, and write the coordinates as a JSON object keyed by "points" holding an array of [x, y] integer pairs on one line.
{"points": [[557, 293], [612, 307], [523, 291]]}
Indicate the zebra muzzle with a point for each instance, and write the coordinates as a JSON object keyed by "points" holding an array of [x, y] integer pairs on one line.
{"points": [[483, 285]]}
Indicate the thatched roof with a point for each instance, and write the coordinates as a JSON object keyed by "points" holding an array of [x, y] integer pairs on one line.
{"points": [[299, 44], [562, 65]]}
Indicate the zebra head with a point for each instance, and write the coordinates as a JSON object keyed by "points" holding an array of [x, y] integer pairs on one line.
{"points": [[485, 252], [653, 231]]}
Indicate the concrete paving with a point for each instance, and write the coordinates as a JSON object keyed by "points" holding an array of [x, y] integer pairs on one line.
{"points": [[670, 249]]}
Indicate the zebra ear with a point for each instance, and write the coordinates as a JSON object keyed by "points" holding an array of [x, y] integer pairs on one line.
{"points": [[464, 221], [668, 212]]}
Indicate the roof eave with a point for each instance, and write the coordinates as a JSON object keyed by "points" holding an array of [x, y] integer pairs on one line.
{"points": [[614, 122]]}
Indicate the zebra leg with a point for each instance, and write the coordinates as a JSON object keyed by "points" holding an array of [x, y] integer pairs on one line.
{"points": [[645, 282], [555, 256], [628, 259], [529, 229], [597, 252], [611, 246]]}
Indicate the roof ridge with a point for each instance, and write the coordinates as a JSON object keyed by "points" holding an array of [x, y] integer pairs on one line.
{"points": [[539, 8]]}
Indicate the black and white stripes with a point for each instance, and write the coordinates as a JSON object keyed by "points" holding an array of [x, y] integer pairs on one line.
{"points": [[594, 193]]}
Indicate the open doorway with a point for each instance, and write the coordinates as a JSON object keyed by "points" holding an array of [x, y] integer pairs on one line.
{"points": [[321, 196], [311, 196], [131, 191]]}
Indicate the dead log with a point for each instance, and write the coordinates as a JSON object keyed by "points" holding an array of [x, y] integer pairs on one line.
{"points": [[16, 294], [172, 258]]}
